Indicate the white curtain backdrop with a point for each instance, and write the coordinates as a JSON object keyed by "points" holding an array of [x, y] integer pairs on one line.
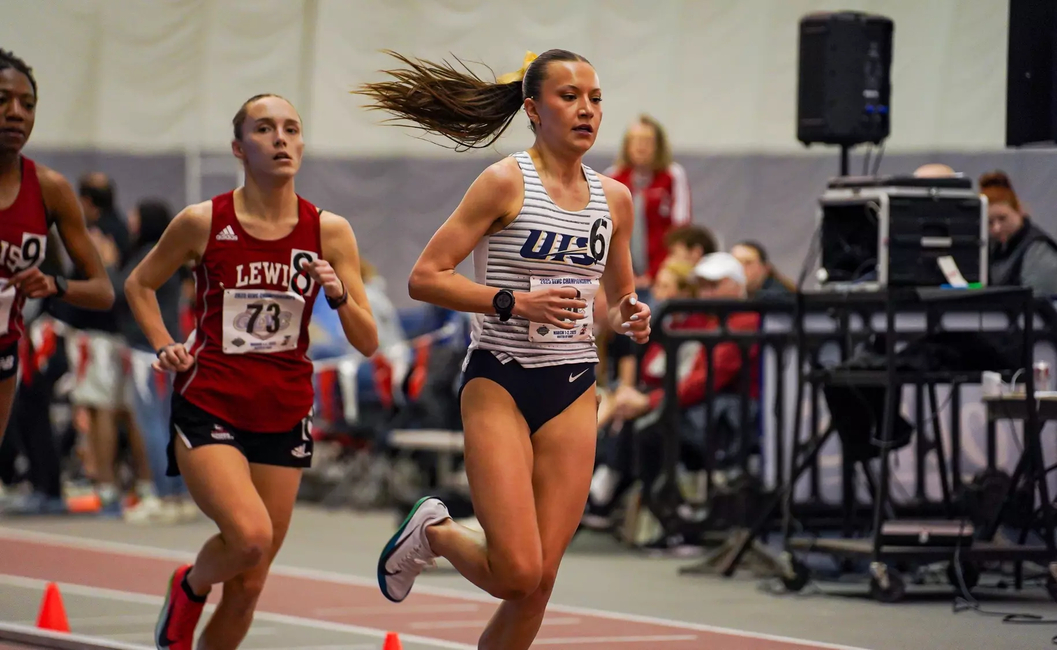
{"points": [[151, 75]]}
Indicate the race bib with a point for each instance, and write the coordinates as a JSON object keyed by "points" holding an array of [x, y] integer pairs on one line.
{"points": [[261, 321], [545, 333], [8, 295]]}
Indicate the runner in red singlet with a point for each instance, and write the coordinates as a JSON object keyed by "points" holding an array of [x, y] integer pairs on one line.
{"points": [[242, 400], [32, 198]]}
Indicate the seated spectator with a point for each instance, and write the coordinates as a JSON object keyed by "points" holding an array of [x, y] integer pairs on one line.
{"points": [[1021, 253], [722, 277], [761, 279], [660, 191], [674, 280], [690, 243]]}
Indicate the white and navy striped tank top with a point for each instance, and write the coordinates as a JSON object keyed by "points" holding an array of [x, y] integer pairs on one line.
{"points": [[543, 246]]}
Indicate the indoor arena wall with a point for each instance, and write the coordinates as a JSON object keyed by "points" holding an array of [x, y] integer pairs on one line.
{"points": [[720, 74]]}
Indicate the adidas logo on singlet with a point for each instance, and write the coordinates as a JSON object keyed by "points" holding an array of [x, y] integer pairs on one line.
{"points": [[227, 234]]}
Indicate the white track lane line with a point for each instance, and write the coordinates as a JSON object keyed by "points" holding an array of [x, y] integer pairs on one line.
{"points": [[341, 578], [480, 624], [584, 640], [132, 597]]}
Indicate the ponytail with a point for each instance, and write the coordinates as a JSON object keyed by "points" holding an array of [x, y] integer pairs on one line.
{"points": [[457, 104]]}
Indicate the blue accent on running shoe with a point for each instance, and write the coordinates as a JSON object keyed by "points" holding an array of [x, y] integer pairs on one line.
{"points": [[390, 548]]}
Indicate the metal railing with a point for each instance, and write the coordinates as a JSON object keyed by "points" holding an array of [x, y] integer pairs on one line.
{"points": [[791, 367]]}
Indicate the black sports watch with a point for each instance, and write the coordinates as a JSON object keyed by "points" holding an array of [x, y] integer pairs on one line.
{"points": [[503, 303], [339, 301], [60, 286]]}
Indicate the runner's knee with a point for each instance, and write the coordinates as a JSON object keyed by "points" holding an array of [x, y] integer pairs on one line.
{"points": [[250, 541], [518, 576]]}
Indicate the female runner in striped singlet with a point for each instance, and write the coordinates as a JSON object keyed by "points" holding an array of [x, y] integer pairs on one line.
{"points": [[546, 233]]}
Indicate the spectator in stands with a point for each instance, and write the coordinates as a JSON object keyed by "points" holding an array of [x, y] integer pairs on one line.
{"points": [[720, 276], [660, 191], [148, 391], [96, 350], [674, 280], [613, 471], [761, 279], [686, 244], [1021, 254], [689, 243]]}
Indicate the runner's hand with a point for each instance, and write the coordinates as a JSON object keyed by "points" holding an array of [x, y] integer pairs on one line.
{"points": [[173, 358], [323, 273], [634, 318], [33, 283], [553, 305]]}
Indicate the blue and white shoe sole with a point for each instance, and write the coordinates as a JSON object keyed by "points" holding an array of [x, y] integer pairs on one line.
{"points": [[163, 619], [387, 552]]}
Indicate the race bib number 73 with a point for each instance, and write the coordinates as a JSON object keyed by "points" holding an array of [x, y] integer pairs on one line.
{"points": [[261, 321]]}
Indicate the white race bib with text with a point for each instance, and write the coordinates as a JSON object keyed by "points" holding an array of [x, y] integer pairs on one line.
{"points": [[584, 331], [261, 321]]}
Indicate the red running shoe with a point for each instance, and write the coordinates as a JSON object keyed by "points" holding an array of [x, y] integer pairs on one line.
{"points": [[179, 615]]}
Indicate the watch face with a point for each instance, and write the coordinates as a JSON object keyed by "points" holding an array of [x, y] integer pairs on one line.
{"points": [[504, 300]]}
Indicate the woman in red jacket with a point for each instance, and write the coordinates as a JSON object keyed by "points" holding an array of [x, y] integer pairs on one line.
{"points": [[660, 191]]}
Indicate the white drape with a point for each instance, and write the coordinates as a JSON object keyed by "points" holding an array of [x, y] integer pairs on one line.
{"points": [[144, 75]]}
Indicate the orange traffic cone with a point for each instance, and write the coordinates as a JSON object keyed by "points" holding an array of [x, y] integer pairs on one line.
{"points": [[392, 642], [52, 613]]}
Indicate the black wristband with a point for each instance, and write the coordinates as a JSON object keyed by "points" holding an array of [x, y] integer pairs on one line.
{"points": [[338, 302]]}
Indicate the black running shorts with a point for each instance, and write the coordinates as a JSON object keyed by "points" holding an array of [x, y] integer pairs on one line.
{"points": [[198, 428], [540, 393]]}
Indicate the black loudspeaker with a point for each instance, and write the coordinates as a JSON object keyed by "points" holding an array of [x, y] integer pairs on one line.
{"points": [[1031, 77], [844, 90]]}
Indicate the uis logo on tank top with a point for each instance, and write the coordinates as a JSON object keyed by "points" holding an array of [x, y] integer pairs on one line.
{"points": [[567, 247]]}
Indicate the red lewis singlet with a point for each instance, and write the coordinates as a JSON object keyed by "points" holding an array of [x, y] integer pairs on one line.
{"points": [[23, 240], [252, 310]]}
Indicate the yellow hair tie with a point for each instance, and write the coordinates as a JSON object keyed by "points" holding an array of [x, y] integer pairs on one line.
{"points": [[518, 75]]}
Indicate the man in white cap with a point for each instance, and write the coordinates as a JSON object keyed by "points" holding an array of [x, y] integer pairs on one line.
{"points": [[720, 275]]}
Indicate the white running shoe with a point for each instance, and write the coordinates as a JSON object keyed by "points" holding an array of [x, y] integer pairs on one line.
{"points": [[408, 553]]}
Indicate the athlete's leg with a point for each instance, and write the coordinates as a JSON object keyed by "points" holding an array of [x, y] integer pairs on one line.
{"points": [[8, 387], [277, 487], [498, 454], [564, 450], [219, 480]]}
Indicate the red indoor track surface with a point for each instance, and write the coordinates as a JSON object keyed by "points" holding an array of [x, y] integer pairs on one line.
{"points": [[355, 601]]}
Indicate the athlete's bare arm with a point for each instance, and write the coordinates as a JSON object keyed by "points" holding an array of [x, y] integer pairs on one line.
{"points": [[339, 271], [64, 208], [490, 204], [627, 315], [183, 241]]}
